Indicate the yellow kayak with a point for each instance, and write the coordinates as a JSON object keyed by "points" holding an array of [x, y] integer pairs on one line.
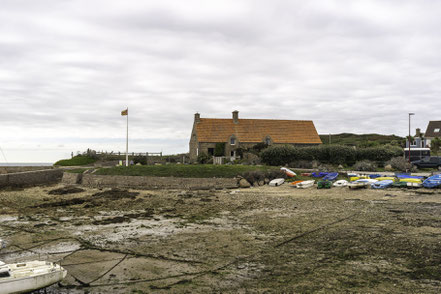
{"points": [[351, 179], [386, 178], [411, 180]]}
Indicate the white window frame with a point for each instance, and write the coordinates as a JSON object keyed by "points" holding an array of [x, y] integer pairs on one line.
{"points": [[436, 130]]}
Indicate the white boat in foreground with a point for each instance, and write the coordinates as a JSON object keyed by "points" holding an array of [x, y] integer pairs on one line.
{"points": [[305, 184], [29, 276], [277, 182], [340, 183], [363, 183]]}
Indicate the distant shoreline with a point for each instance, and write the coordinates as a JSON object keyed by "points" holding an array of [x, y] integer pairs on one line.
{"points": [[26, 164]]}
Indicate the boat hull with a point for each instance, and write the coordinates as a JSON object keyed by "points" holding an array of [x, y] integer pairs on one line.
{"points": [[305, 184], [35, 279]]}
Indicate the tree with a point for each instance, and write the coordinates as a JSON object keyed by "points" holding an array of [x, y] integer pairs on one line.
{"points": [[435, 145]]}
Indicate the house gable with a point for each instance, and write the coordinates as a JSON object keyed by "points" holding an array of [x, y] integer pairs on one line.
{"points": [[433, 129]]}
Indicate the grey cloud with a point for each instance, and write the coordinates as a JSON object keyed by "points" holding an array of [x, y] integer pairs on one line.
{"points": [[70, 67]]}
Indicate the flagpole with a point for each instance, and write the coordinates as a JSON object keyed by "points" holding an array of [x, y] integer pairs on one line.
{"points": [[127, 139]]}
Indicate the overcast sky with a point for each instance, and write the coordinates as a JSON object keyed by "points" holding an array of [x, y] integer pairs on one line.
{"points": [[68, 68]]}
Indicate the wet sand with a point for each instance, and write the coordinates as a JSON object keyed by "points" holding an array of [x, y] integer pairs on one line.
{"points": [[274, 239]]}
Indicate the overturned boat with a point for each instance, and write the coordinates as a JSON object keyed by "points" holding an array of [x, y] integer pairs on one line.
{"points": [[29, 276], [305, 184]]}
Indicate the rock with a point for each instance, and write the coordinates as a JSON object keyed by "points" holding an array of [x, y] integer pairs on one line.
{"points": [[266, 181], [261, 182], [340, 166], [244, 183], [388, 167]]}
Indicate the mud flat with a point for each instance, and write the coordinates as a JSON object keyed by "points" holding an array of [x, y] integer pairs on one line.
{"points": [[274, 239]]}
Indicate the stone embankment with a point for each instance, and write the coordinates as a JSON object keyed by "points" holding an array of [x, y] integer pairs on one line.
{"points": [[142, 182], [31, 178], [18, 169]]}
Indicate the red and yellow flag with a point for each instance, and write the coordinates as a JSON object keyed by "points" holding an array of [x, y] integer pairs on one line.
{"points": [[125, 112]]}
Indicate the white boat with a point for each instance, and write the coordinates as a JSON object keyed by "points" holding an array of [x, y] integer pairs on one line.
{"points": [[29, 276], [277, 182], [363, 183], [305, 184], [340, 183], [414, 185], [288, 172]]}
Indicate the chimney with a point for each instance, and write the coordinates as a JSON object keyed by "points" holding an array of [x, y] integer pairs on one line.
{"points": [[418, 132], [197, 117], [236, 117]]}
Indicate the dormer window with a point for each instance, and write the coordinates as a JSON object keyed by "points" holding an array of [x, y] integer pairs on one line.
{"points": [[436, 130], [232, 141]]}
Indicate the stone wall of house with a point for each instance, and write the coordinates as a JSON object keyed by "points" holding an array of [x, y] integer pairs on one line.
{"points": [[31, 178], [17, 169], [141, 182], [193, 153]]}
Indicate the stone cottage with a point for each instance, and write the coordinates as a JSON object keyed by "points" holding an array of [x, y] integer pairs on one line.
{"points": [[245, 133]]}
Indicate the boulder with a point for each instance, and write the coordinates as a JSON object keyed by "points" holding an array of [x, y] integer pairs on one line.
{"points": [[388, 167], [244, 183]]}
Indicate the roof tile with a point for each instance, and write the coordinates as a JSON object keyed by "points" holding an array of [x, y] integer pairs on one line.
{"points": [[255, 130]]}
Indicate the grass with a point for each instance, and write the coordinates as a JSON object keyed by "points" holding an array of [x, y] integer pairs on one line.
{"points": [[180, 170], [77, 160]]}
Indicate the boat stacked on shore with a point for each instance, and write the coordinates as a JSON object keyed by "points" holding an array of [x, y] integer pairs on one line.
{"points": [[326, 180]]}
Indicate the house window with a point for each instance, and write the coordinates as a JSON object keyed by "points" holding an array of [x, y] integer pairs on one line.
{"points": [[233, 153], [210, 151], [233, 141], [436, 130]]}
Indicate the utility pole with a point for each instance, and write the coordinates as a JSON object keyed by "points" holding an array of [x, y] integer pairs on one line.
{"points": [[410, 113]]}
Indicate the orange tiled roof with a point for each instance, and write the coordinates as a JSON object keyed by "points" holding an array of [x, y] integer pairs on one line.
{"points": [[255, 130]]}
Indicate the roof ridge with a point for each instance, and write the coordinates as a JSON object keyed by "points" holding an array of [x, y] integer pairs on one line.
{"points": [[257, 119]]}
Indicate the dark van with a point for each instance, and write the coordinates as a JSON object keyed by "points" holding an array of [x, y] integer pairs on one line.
{"points": [[432, 161]]}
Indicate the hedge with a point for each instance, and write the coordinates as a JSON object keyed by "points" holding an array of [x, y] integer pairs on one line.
{"points": [[333, 154]]}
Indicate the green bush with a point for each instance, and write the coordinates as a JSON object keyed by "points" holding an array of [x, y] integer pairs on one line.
{"points": [[328, 154], [365, 165], [219, 149], [76, 160], [204, 158], [401, 164]]}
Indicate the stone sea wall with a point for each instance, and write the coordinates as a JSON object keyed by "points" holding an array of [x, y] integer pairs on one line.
{"points": [[31, 178], [141, 182], [18, 169]]}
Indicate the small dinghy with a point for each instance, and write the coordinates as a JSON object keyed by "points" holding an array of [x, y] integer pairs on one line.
{"points": [[340, 183], [294, 184], [433, 181], [386, 178], [29, 276], [322, 184], [399, 184], [382, 184], [305, 184], [330, 177], [288, 172], [413, 185], [405, 176], [374, 176], [358, 184], [411, 180], [319, 174], [276, 182]]}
